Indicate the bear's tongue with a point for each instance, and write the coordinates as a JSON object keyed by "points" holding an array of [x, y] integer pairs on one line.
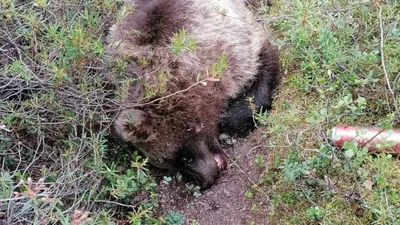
{"points": [[221, 160]]}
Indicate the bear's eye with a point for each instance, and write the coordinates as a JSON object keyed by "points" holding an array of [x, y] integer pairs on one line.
{"points": [[187, 161]]}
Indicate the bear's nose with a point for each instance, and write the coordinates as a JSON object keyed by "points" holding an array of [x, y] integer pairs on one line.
{"points": [[207, 183]]}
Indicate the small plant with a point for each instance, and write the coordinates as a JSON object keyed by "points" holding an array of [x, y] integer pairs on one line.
{"points": [[143, 215], [167, 180], [179, 177], [158, 87], [182, 42], [254, 208], [259, 160], [193, 190], [249, 194], [316, 213], [294, 169], [218, 68], [175, 218], [7, 185], [194, 222]]}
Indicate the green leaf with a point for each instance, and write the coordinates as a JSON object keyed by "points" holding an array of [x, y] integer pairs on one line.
{"points": [[350, 145], [349, 153], [175, 218], [361, 101], [248, 194]]}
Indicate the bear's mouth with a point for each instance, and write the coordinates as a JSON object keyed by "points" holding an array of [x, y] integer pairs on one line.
{"points": [[221, 159]]}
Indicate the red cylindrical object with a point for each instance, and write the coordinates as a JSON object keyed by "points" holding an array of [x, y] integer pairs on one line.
{"points": [[369, 137]]}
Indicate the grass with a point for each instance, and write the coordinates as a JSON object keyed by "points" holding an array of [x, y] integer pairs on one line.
{"points": [[58, 161], [60, 165], [341, 65]]}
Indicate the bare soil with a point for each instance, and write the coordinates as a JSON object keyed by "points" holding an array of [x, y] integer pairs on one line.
{"points": [[225, 202]]}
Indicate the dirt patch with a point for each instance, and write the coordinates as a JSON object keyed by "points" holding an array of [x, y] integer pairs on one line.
{"points": [[225, 203]]}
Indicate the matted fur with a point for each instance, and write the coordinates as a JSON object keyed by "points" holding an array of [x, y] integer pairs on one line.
{"points": [[166, 129], [217, 26]]}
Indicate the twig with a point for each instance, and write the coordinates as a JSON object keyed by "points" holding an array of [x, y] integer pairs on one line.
{"points": [[3, 127], [384, 64], [202, 82], [21, 198], [12, 42], [259, 146], [35, 156], [116, 203]]}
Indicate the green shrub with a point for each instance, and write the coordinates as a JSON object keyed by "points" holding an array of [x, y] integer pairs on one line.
{"points": [[56, 104]]}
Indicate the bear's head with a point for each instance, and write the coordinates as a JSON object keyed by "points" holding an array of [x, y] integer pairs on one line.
{"points": [[171, 142]]}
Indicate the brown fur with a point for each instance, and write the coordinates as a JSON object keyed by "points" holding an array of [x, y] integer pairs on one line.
{"points": [[218, 26]]}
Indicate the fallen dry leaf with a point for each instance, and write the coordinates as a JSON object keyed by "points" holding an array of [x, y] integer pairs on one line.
{"points": [[368, 184], [80, 217]]}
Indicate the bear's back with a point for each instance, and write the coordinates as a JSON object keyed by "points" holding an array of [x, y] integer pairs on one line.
{"points": [[224, 31]]}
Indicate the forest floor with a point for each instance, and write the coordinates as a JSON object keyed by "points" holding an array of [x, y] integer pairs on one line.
{"points": [[59, 164], [226, 202]]}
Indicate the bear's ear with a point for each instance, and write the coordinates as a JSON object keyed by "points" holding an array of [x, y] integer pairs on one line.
{"points": [[133, 126]]}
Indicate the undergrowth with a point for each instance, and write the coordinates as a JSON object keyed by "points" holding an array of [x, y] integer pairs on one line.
{"points": [[340, 61], [59, 163]]}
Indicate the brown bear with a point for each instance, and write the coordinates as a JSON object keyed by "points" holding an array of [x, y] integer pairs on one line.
{"points": [[195, 64]]}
